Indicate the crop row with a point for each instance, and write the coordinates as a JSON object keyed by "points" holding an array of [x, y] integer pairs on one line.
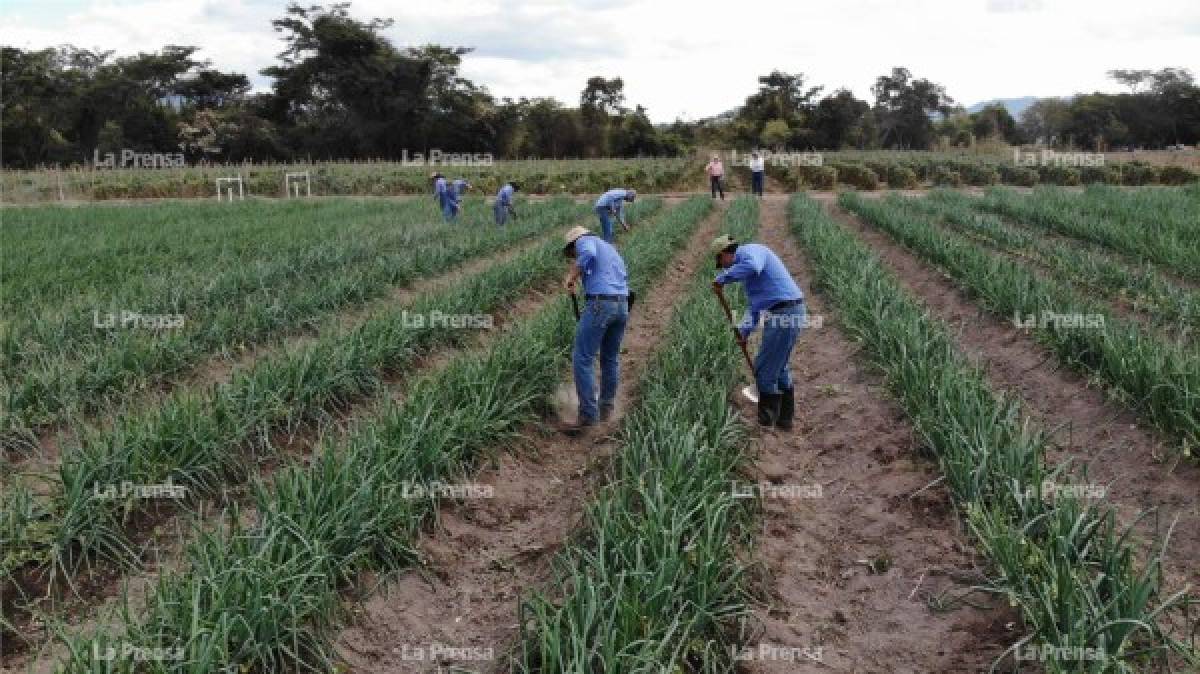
{"points": [[140, 270], [1168, 305], [1146, 239], [111, 249], [1160, 380], [319, 525], [654, 583], [914, 172], [81, 379], [202, 441], [1064, 562]]}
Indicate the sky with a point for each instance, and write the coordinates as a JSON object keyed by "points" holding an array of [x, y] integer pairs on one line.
{"points": [[682, 59]]}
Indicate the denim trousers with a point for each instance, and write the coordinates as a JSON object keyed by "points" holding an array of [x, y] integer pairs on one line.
{"points": [[606, 225], [780, 331], [601, 328]]}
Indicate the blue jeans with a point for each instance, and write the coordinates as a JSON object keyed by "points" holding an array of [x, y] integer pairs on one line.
{"points": [[756, 182], [449, 212], [780, 331], [501, 213], [606, 225], [601, 327]]}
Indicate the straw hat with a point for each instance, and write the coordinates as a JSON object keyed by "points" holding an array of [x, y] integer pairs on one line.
{"points": [[574, 234]]}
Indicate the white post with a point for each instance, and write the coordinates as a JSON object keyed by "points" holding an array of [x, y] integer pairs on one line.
{"points": [[292, 183]]}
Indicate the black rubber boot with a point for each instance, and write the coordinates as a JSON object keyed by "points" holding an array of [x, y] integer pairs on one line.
{"points": [[768, 408], [787, 409]]}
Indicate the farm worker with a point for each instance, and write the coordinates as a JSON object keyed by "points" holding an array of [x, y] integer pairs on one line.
{"points": [[601, 322], [770, 289], [610, 205], [442, 193], [504, 202], [716, 171], [457, 188], [758, 174]]}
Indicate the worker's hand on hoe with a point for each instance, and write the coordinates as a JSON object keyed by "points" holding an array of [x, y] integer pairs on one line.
{"points": [[624, 226], [569, 283]]}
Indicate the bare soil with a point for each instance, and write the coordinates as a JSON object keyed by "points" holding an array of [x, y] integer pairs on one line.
{"points": [[868, 576]]}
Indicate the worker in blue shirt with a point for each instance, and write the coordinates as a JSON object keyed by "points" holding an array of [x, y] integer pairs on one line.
{"points": [[770, 289], [601, 322], [444, 196], [458, 187], [610, 205], [504, 205]]}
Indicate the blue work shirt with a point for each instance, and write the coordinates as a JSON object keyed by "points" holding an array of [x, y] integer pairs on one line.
{"points": [[603, 270], [613, 200], [505, 195], [440, 191], [765, 278]]}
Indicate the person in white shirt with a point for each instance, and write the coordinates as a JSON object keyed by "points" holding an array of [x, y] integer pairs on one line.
{"points": [[757, 173]]}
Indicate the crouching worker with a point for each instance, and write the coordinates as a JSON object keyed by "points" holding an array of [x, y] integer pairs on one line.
{"points": [[601, 323], [770, 290]]}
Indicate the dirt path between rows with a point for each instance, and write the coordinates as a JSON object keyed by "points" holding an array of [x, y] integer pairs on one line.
{"points": [[1133, 461], [857, 446], [487, 553]]}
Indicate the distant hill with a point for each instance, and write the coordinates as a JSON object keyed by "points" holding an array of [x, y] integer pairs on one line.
{"points": [[1015, 105]]}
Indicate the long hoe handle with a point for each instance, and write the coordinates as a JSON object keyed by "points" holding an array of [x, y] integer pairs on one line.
{"points": [[736, 335]]}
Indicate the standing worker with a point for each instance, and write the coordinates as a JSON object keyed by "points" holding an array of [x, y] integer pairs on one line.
{"points": [[442, 194], [601, 322], [758, 174], [610, 205], [716, 171], [771, 289], [457, 188], [504, 202]]}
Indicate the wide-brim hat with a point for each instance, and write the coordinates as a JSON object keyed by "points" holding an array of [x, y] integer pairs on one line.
{"points": [[573, 235]]}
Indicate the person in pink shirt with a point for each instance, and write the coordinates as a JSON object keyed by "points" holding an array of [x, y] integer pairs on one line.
{"points": [[716, 171]]}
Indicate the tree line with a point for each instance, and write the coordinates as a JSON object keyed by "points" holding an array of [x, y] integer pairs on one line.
{"points": [[342, 90]]}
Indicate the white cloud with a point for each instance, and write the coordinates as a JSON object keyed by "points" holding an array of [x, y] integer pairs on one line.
{"points": [[693, 58]]}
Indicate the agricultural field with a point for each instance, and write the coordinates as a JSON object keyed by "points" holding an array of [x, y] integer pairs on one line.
{"points": [[861, 170], [317, 435], [384, 178]]}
